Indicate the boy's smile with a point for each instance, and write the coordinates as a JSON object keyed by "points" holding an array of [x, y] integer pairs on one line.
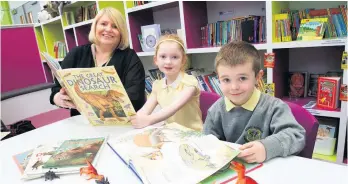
{"points": [[237, 82]]}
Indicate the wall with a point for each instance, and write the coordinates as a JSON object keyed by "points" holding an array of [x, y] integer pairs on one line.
{"points": [[5, 13], [21, 65], [24, 106]]}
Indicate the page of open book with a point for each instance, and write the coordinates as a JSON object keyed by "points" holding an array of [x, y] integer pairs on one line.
{"points": [[161, 154]]}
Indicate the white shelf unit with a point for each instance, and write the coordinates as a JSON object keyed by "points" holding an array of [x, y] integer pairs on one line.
{"points": [[78, 24], [172, 15], [237, 8], [148, 6]]}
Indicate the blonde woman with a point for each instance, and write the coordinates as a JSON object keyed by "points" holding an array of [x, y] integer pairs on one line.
{"points": [[110, 42]]}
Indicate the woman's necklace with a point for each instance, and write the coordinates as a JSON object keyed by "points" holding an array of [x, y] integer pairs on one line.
{"points": [[95, 59]]}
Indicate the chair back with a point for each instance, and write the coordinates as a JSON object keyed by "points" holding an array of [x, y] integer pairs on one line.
{"points": [[310, 124], [207, 99]]}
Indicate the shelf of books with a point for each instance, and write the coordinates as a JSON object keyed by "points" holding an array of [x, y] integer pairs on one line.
{"points": [[284, 28]]}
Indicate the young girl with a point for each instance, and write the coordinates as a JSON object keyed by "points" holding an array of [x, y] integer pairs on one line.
{"points": [[177, 93]]}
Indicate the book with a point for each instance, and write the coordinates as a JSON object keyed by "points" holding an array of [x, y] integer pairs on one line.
{"points": [[98, 93], [22, 159], [61, 157], [313, 84], [328, 92], [269, 59], [312, 29], [161, 154], [225, 175], [344, 64], [297, 84], [343, 92]]}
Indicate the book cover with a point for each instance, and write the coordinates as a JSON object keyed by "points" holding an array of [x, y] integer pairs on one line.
{"points": [[344, 64], [226, 174], [269, 59], [297, 84], [313, 84], [161, 154], [74, 153], [269, 89], [328, 91], [312, 29], [22, 160], [343, 92], [40, 155], [98, 94]]}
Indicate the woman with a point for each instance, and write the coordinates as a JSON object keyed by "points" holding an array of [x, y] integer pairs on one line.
{"points": [[109, 38]]}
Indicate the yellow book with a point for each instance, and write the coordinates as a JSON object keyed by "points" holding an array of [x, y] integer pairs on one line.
{"points": [[312, 29], [98, 93]]}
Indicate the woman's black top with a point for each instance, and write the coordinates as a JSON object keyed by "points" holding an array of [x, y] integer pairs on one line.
{"points": [[127, 64]]}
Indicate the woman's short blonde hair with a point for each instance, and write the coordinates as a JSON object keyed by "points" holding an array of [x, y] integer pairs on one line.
{"points": [[117, 18]]}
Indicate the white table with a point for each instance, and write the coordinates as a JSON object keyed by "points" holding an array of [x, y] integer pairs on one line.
{"points": [[290, 170]]}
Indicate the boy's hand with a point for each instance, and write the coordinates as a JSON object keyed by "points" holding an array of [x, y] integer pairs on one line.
{"points": [[141, 121], [253, 152]]}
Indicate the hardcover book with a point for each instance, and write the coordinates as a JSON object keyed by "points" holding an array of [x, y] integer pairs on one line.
{"points": [[161, 154], [328, 92], [312, 29], [98, 93]]}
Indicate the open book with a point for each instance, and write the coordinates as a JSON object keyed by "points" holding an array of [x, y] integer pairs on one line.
{"points": [[172, 154], [62, 157], [98, 93]]}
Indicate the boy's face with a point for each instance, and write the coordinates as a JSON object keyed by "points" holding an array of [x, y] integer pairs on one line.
{"points": [[237, 82]]}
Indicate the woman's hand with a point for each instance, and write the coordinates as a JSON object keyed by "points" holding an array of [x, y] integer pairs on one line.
{"points": [[62, 99], [141, 121]]}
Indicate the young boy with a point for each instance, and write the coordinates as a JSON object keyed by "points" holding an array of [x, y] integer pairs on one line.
{"points": [[264, 125]]}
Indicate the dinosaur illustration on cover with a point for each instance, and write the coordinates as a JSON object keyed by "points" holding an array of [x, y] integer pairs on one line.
{"points": [[240, 169], [103, 103]]}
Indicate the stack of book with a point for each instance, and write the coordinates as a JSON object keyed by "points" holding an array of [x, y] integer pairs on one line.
{"points": [[62, 157]]}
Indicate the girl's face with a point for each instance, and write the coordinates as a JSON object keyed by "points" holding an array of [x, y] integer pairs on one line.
{"points": [[169, 58], [107, 32]]}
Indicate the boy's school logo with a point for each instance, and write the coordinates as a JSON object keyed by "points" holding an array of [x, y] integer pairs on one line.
{"points": [[252, 134]]}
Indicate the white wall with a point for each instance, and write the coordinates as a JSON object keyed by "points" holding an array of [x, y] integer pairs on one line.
{"points": [[24, 106]]}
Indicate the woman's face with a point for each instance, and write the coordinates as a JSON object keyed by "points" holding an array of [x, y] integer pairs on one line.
{"points": [[106, 31]]}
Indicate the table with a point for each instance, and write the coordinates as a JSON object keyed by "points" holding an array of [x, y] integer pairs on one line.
{"points": [[290, 170]]}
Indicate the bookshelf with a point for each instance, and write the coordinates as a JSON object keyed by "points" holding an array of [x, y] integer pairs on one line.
{"points": [[190, 16]]}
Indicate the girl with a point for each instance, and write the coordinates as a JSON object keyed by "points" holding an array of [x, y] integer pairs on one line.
{"points": [[177, 93]]}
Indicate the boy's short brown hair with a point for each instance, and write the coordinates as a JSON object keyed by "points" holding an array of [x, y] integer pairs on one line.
{"points": [[238, 52]]}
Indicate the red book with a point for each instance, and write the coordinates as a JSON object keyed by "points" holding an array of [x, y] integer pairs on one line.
{"points": [[328, 92], [269, 60], [343, 92]]}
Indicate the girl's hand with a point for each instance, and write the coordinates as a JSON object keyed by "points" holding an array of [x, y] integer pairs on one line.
{"points": [[62, 99], [141, 121]]}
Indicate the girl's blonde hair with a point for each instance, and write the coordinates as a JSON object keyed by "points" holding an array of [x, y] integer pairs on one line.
{"points": [[173, 38], [117, 18]]}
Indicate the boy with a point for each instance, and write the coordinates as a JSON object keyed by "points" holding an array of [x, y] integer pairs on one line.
{"points": [[264, 125]]}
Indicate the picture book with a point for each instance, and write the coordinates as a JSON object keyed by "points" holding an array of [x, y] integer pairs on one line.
{"points": [[313, 84], [269, 59], [161, 154], [74, 153], [226, 174], [98, 93], [343, 92], [312, 29], [61, 157], [297, 84], [344, 64], [22, 160], [328, 91]]}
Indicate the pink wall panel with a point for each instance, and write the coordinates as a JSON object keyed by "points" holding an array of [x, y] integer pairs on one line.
{"points": [[21, 65]]}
